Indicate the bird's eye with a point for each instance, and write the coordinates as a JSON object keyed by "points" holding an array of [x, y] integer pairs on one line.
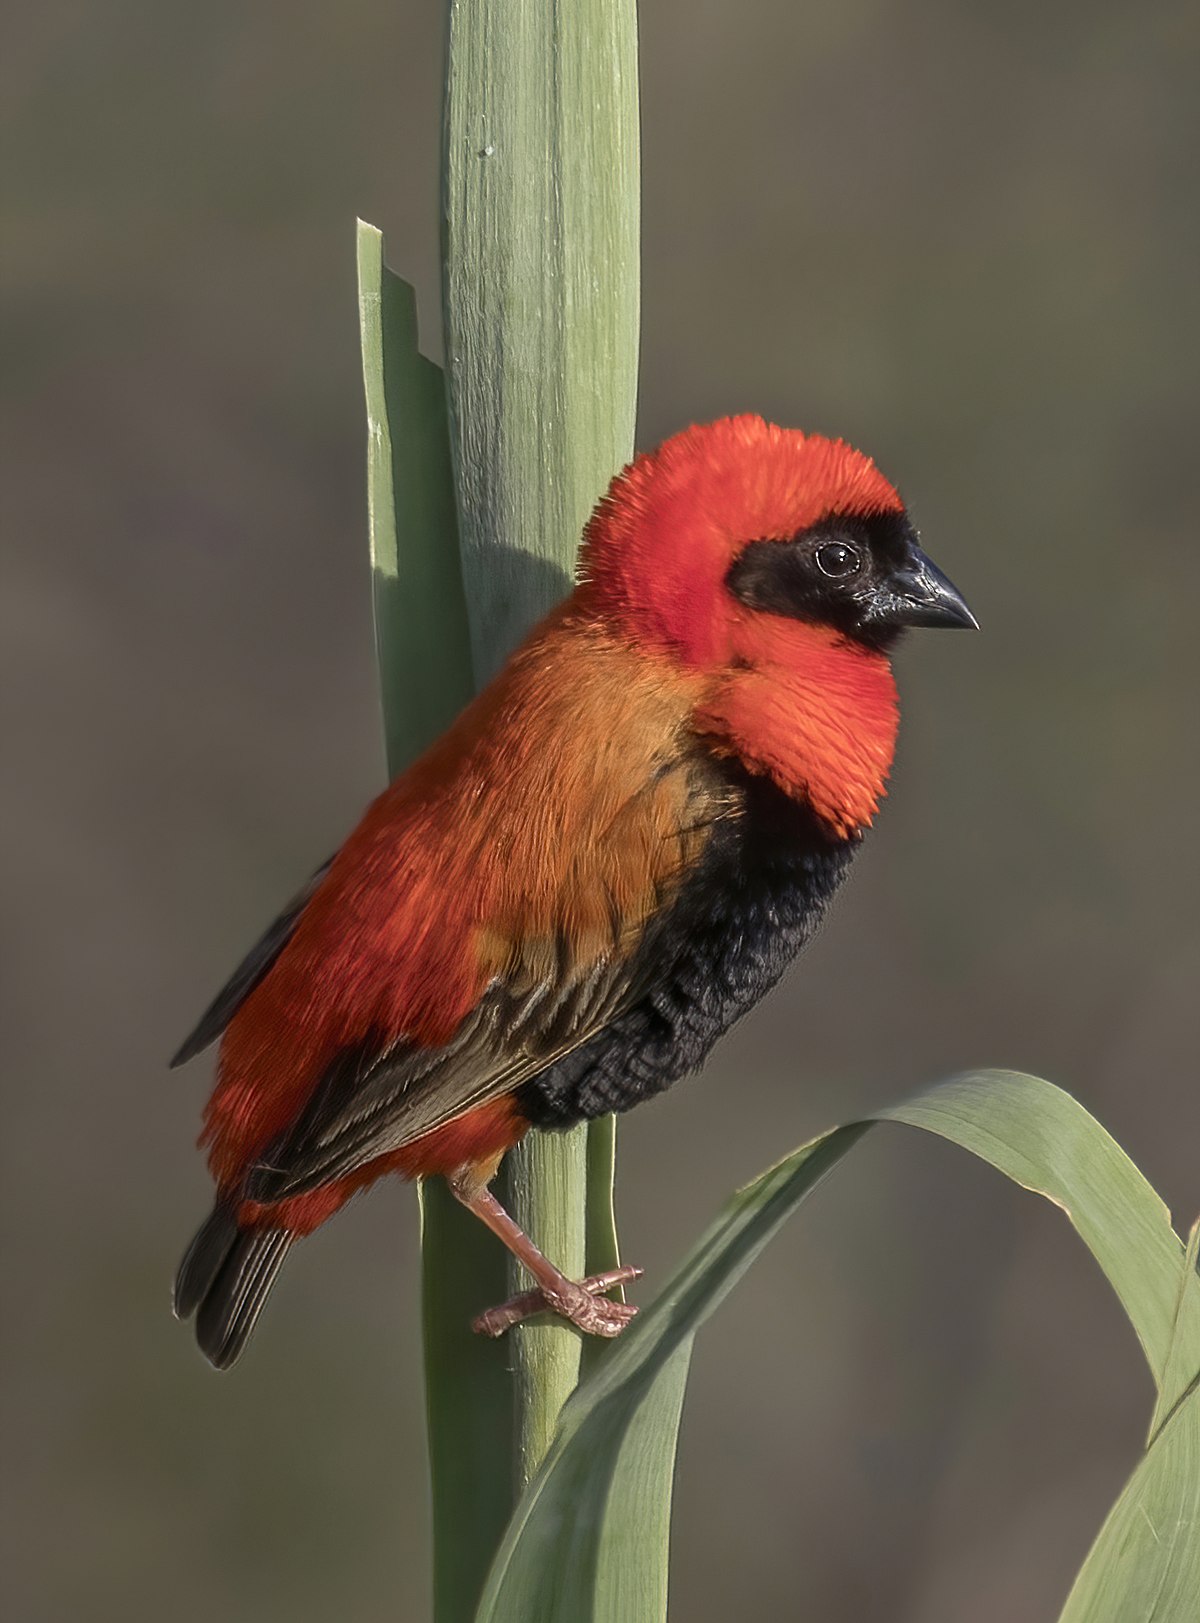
{"points": [[837, 559]]}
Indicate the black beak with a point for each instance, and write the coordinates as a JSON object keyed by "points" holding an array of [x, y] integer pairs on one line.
{"points": [[920, 595]]}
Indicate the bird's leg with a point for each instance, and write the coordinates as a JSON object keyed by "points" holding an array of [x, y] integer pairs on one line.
{"points": [[583, 1302]]}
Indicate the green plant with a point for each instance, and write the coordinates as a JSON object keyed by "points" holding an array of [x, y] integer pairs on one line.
{"points": [[540, 191], [576, 1547], [477, 495]]}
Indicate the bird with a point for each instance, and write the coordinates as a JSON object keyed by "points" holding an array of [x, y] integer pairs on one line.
{"points": [[609, 857]]}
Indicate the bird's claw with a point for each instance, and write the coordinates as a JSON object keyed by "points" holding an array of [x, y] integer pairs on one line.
{"points": [[584, 1304]]}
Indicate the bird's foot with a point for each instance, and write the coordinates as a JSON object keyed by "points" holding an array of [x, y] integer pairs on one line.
{"points": [[584, 1304]]}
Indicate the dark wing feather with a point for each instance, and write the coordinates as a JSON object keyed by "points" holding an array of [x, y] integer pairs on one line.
{"points": [[560, 986], [248, 973], [371, 1103]]}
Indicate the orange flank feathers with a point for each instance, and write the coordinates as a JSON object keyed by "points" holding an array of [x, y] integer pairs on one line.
{"points": [[541, 823]]}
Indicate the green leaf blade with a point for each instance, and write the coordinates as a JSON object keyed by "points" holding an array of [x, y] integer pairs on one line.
{"points": [[541, 209], [422, 637], [541, 290], [572, 1531], [604, 1490]]}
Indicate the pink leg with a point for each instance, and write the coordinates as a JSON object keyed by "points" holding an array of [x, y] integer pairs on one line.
{"points": [[582, 1302]]}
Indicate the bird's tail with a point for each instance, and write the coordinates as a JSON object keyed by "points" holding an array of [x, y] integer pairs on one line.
{"points": [[225, 1278]]}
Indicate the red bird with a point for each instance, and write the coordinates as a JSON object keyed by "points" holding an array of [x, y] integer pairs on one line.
{"points": [[611, 855]]}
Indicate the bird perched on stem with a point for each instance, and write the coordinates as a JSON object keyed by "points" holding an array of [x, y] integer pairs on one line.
{"points": [[611, 855]]}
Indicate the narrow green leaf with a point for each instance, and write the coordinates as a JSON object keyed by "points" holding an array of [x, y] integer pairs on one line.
{"points": [[468, 1401], [425, 678], [540, 260], [422, 638], [541, 290], [565, 1552], [602, 1249]]}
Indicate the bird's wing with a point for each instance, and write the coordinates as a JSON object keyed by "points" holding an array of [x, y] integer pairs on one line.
{"points": [[552, 990], [248, 973]]}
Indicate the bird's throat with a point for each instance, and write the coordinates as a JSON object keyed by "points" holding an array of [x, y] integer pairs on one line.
{"points": [[816, 713]]}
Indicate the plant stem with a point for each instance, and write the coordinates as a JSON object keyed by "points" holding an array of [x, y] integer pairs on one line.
{"points": [[540, 296]]}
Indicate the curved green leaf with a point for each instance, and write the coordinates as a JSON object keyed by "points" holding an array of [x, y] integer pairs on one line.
{"points": [[572, 1549]]}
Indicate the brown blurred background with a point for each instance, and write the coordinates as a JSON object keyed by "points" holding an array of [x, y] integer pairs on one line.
{"points": [[964, 236]]}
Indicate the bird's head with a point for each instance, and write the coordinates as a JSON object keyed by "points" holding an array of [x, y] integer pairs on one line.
{"points": [[699, 546], [777, 570]]}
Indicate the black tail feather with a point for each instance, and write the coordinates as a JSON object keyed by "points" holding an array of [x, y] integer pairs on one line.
{"points": [[202, 1260], [224, 1279]]}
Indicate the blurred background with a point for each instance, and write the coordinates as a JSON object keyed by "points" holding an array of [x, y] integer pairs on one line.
{"points": [[963, 236]]}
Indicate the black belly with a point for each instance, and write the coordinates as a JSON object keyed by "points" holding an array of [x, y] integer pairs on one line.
{"points": [[754, 902]]}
